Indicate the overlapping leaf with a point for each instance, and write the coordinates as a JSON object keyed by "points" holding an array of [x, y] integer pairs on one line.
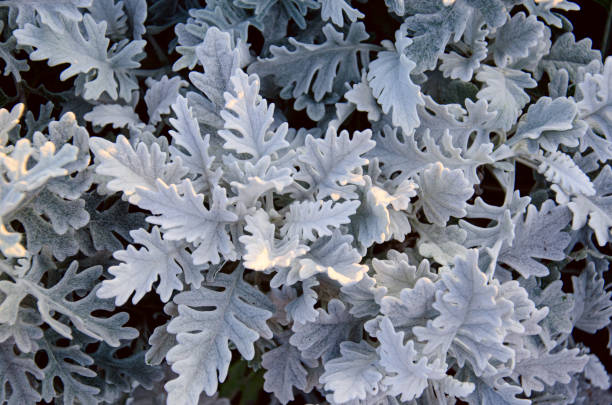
{"points": [[85, 51], [236, 313], [334, 60], [184, 216], [469, 326], [56, 299]]}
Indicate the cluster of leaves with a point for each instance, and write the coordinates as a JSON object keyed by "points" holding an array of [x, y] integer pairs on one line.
{"points": [[370, 238]]}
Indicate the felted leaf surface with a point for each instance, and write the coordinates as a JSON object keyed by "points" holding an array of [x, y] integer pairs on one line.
{"points": [[395, 273], [568, 54], [495, 391], [14, 371], [63, 214], [141, 268], [186, 134], [185, 217], [112, 14], [133, 168], [443, 193], [306, 217], [8, 120], [461, 124], [503, 226], [55, 300], [294, 229], [596, 372], [40, 234], [389, 78], [470, 320], [99, 233], [237, 313], [331, 61], [119, 116], [545, 116], [301, 309], [413, 306], [354, 374], [559, 321], [595, 100], [284, 370], [396, 6], [592, 307], [68, 364], [548, 368], [66, 43], [434, 25], [560, 169], [255, 180], [543, 9], [19, 176], [225, 16], [539, 236], [462, 67], [407, 373], [136, 12], [442, 244], [161, 340], [262, 250], [372, 221], [296, 9], [515, 37], [329, 163], [361, 96], [362, 297], [248, 114], [12, 65], [220, 61], [117, 375], [161, 95], [335, 10], [50, 12], [597, 208], [505, 92], [321, 338], [403, 158], [24, 331], [333, 256]]}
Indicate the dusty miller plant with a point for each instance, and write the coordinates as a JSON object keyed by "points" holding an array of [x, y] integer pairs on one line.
{"points": [[368, 216]]}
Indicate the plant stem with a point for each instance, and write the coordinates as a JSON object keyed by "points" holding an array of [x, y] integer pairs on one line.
{"points": [[606, 37], [532, 165]]}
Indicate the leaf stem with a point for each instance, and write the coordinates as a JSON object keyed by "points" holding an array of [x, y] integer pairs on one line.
{"points": [[151, 72], [606, 36], [527, 162], [161, 55]]}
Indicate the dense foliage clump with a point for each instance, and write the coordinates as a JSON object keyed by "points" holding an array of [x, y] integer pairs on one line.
{"points": [[328, 201]]}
